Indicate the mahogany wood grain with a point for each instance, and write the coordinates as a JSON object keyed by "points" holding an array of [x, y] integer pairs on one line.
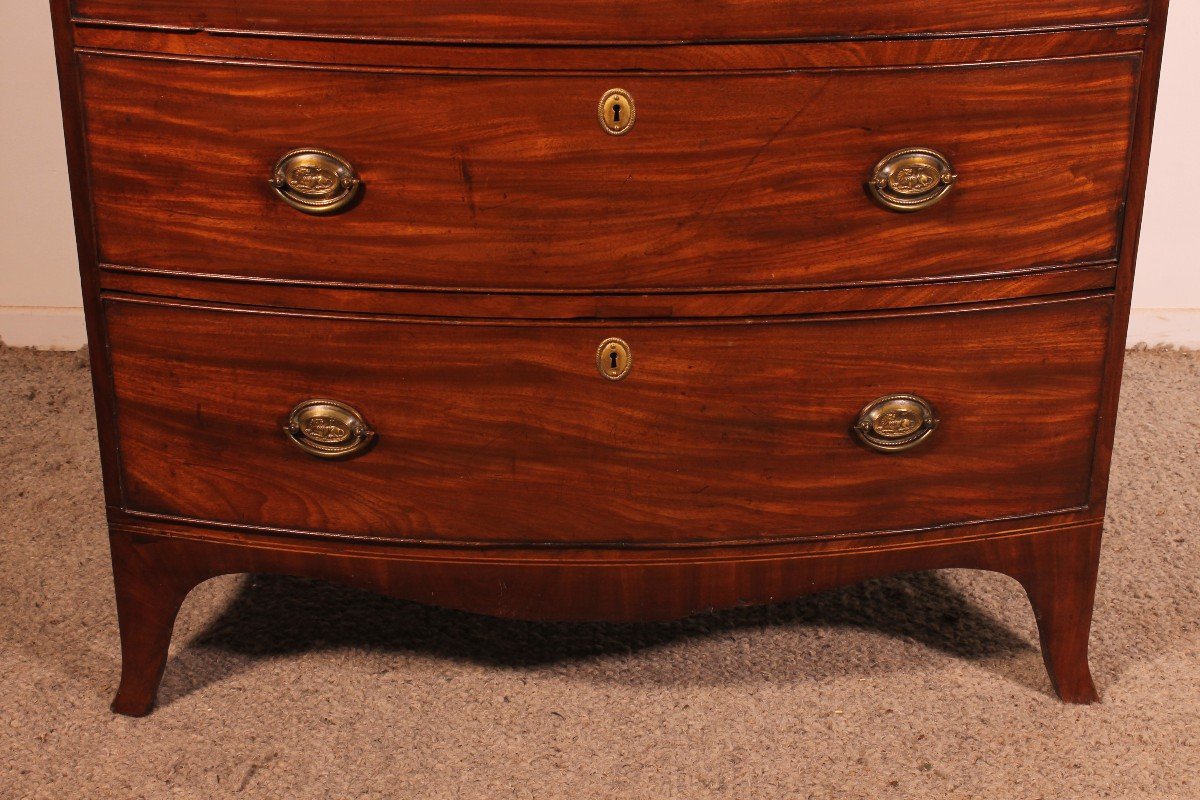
{"points": [[505, 432], [1060, 580], [609, 58], [157, 566], [319, 297], [613, 21], [1130, 235], [763, 191], [1045, 121], [85, 241], [463, 190]]}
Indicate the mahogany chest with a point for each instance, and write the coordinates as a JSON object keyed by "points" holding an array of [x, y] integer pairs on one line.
{"points": [[606, 309]]}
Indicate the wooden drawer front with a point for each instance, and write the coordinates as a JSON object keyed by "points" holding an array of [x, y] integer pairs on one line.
{"points": [[610, 20], [509, 182], [508, 433]]}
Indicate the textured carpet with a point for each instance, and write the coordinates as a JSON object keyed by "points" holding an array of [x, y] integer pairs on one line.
{"points": [[925, 686]]}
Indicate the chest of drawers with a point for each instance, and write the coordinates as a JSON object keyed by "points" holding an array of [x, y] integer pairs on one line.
{"points": [[606, 310]]}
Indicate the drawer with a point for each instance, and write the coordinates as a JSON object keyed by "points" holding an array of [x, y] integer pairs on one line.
{"points": [[722, 431], [509, 183], [609, 20]]}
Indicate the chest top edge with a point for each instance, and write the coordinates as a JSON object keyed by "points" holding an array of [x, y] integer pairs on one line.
{"points": [[611, 22]]}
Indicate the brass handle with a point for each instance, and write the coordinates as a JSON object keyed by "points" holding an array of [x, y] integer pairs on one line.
{"points": [[328, 429], [895, 422], [911, 179], [315, 181]]}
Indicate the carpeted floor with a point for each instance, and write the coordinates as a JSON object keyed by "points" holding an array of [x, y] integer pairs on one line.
{"points": [[926, 686]]}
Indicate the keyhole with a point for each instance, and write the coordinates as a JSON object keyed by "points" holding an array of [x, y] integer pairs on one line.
{"points": [[613, 359], [616, 111]]}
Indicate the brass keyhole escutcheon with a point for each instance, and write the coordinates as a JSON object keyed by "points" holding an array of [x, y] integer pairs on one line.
{"points": [[614, 359], [617, 112]]}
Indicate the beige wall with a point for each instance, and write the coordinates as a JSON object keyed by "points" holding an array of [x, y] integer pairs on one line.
{"points": [[39, 291], [1166, 295], [39, 283]]}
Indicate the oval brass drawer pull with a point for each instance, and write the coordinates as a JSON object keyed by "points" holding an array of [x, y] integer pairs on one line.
{"points": [[896, 422], [328, 429], [315, 181], [912, 179]]}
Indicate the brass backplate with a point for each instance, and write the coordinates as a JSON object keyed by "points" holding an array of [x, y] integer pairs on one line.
{"points": [[614, 359], [911, 179], [895, 423], [328, 429], [315, 181], [617, 112]]}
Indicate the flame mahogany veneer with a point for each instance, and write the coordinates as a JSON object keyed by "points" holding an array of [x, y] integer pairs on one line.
{"points": [[500, 234], [547, 202]]}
